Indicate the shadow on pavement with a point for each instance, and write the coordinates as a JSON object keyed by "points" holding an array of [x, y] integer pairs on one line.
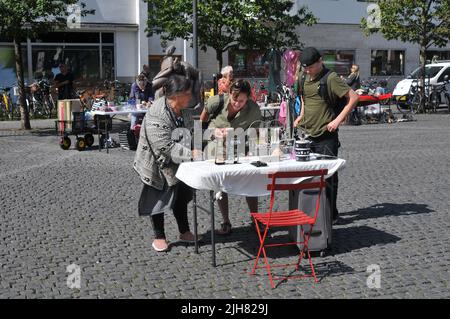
{"points": [[349, 239], [383, 210]]}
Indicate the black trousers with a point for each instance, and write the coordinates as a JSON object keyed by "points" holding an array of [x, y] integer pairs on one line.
{"points": [[328, 144], [183, 195]]}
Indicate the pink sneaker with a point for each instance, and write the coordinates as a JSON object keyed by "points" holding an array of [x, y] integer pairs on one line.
{"points": [[160, 245]]}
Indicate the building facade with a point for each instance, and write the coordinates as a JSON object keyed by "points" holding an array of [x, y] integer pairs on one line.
{"points": [[113, 44], [340, 39], [110, 44]]}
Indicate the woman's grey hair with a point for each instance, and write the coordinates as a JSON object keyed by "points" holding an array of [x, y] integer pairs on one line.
{"points": [[226, 70], [177, 84]]}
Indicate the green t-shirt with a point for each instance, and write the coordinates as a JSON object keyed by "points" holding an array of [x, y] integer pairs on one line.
{"points": [[243, 119], [317, 113]]}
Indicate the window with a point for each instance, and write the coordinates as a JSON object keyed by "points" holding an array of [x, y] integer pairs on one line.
{"points": [[89, 55], [430, 71], [446, 72], [248, 63], [387, 62], [8, 65], [339, 61], [68, 37], [437, 55]]}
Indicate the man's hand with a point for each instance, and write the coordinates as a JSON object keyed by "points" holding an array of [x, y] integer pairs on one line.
{"points": [[333, 125], [297, 121]]}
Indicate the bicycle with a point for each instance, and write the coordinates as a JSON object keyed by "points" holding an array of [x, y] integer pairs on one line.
{"points": [[41, 101], [436, 93], [6, 105], [410, 103]]}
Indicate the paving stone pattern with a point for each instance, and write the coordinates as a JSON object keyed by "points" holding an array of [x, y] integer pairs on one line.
{"points": [[63, 207]]}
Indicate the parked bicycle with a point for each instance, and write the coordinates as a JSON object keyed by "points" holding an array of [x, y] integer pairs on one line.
{"points": [[41, 102], [439, 94], [410, 103], [7, 108]]}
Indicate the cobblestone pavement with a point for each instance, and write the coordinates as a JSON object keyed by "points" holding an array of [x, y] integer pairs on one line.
{"points": [[63, 207]]}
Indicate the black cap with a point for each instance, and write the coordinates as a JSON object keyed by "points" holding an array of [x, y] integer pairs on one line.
{"points": [[309, 56]]}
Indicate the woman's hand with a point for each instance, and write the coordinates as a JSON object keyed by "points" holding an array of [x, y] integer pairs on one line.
{"points": [[197, 155]]}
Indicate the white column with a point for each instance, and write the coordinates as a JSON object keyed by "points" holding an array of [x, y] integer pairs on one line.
{"points": [[142, 40]]}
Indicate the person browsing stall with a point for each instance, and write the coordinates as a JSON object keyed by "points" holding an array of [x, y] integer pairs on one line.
{"points": [[353, 80], [232, 110], [320, 117], [142, 92], [157, 159], [63, 81], [225, 81]]}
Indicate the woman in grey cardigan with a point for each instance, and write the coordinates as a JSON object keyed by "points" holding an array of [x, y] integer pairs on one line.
{"points": [[157, 158]]}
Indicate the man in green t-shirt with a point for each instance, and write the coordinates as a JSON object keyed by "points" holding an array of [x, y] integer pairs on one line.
{"points": [[236, 110], [321, 120]]}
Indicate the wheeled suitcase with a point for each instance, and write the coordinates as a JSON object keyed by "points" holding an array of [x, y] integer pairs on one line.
{"points": [[305, 200]]}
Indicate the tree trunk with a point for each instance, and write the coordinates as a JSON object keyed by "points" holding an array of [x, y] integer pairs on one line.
{"points": [[24, 112]]}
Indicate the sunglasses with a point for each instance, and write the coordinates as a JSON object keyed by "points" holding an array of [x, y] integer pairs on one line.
{"points": [[240, 84]]}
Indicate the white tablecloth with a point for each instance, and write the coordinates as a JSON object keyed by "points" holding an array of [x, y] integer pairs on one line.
{"points": [[118, 112], [246, 179]]}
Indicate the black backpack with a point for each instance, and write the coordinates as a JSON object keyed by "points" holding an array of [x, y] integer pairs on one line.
{"points": [[335, 103]]}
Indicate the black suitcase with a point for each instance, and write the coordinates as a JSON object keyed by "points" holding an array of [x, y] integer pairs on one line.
{"points": [[305, 200]]}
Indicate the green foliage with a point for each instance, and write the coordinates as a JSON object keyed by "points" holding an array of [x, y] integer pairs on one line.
{"points": [[425, 22], [223, 24]]}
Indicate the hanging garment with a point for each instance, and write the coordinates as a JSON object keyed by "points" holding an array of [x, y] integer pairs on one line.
{"points": [[283, 113], [290, 59]]}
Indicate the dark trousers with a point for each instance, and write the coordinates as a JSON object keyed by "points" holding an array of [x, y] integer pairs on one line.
{"points": [[328, 144], [183, 195]]}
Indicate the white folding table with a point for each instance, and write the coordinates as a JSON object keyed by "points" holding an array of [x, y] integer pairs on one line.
{"points": [[241, 179]]}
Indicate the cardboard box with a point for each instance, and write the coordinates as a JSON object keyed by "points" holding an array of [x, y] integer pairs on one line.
{"points": [[65, 109]]}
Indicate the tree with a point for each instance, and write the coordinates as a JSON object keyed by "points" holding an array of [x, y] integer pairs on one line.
{"points": [[424, 22], [22, 19], [224, 24]]}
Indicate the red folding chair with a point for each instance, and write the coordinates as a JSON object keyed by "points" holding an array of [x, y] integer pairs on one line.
{"points": [[293, 217]]}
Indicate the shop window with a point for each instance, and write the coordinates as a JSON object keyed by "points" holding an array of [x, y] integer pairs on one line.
{"points": [[68, 37], [108, 63], [107, 37], [339, 61], [438, 55], [387, 62], [248, 63], [8, 65], [83, 61]]}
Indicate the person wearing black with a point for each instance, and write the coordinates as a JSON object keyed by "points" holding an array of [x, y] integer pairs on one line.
{"points": [[353, 79], [321, 117], [64, 83]]}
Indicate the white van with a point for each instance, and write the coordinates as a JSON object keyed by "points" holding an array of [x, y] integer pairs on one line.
{"points": [[435, 72]]}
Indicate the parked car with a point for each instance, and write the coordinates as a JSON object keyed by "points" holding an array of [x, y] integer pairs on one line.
{"points": [[434, 72]]}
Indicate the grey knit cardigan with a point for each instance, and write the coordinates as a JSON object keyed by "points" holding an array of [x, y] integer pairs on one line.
{"points": [[159, 150]]}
